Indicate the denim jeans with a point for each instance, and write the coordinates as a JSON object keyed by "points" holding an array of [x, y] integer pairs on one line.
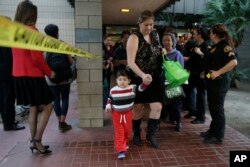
{"points": [[61, 98]]}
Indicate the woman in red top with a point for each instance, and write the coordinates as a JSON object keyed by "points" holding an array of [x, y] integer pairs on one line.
{"points": [[29, 69]]}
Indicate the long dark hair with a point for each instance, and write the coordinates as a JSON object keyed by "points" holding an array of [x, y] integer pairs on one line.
{"points": [[26, 13], [221, 31]]}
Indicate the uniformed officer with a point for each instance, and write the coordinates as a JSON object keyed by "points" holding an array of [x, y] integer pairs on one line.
{"points": [[219, 63]]}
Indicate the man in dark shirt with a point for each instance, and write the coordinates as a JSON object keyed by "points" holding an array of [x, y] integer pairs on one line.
{"points": [[195, 65], [120, 57], [7, 91]]}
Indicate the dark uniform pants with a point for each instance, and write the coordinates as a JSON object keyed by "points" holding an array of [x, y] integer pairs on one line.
{"points": [[199, 109], [216, 93], [7, 102]]}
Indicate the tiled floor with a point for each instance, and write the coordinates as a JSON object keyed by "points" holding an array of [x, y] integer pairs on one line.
{"points": [[89, 147]]}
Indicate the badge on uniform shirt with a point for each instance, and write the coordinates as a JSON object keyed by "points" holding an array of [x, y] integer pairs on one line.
{"points": [[227, 49], [231, 54], [208, 75]]}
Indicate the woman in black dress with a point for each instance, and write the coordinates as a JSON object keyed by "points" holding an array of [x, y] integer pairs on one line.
{"points": [[144, 59]]}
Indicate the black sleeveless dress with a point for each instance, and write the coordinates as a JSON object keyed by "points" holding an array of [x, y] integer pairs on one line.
{"points": [[149, 60]]}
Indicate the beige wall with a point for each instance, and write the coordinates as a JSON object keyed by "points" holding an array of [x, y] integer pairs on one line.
{"points": [[88, 22], [58, 12]]}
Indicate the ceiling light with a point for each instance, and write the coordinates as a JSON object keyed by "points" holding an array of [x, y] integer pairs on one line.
{"points": [[125, 10]]}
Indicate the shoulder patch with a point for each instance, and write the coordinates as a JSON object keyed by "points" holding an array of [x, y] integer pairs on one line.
{"points": [[227, 49]]}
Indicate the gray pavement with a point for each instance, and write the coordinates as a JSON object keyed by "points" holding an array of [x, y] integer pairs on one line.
{"points": [[237, 108]]}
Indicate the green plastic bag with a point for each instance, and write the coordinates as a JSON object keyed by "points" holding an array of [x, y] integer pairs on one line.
{"points": [[174, 73]]}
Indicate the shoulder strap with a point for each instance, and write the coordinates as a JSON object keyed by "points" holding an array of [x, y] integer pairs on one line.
{"points": [[165, 58]]}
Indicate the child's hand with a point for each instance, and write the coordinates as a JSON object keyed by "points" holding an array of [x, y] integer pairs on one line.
{"points": [[142, 87], [108, 108]]}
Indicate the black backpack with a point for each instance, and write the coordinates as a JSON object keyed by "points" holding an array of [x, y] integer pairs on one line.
{"points": [[60, 64]]}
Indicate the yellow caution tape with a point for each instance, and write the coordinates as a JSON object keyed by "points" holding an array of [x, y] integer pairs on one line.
{"points": [[16, 35]]}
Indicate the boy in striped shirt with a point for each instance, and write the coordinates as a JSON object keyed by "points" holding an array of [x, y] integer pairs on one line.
{"points": [[120, 102]]}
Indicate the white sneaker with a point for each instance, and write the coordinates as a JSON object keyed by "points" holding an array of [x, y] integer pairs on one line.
{"points": [[121, 155]]}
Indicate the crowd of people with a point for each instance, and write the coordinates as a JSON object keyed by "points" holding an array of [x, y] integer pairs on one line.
{"points": [[136, 61], [207, 53]]}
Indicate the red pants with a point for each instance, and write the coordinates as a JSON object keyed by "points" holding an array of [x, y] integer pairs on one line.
{"points": [[122, 122]]}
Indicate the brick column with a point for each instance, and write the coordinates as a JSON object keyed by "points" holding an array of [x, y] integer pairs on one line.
{"points": [[88, 24]]}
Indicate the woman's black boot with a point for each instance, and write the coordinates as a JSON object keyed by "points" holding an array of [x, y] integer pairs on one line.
{"points": [[178, 127], [152, 126], [137, 132]]}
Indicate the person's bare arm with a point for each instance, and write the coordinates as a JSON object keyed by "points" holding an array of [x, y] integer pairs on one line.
{"points": [[228, 67], [70, 59]]}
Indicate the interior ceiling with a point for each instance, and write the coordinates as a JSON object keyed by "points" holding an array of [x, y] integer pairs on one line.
{"points": [[113, 16]]}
